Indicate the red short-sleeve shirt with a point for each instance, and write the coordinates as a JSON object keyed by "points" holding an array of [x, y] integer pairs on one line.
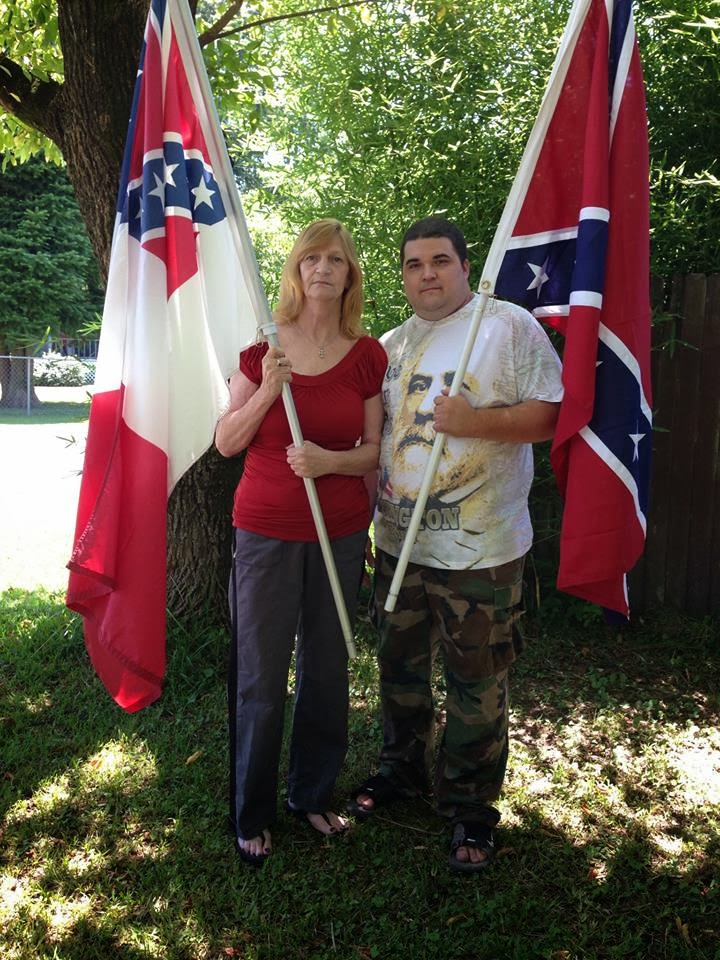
{"points": [[270, 499]]}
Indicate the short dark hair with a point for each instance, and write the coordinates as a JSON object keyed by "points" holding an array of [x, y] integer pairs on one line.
{"points": [[436, 227]]}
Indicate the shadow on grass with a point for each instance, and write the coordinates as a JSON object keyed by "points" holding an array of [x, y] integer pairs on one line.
{"points": [[114, 840]]}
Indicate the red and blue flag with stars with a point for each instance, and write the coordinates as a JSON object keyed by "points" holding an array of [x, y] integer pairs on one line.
{"points": [[178, 310], [577, 257]]}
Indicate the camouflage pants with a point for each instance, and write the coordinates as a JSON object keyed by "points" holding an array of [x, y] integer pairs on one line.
{"points": [[472, 617]]}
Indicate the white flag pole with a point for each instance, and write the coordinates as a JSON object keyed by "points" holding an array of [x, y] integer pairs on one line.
{"points": [[270, 332], [491, 269], [186, 36]]}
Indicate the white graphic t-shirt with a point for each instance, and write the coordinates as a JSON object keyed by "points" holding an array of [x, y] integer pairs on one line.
{"points": [[476, 515]]}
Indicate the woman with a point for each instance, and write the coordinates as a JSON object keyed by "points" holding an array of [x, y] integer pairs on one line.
{"points": [[280, 589]]}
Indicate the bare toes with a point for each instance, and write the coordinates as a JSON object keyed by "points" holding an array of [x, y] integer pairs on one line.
{"points": [[256, 846]]}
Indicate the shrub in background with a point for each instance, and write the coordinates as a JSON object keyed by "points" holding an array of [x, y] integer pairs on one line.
{"points": [[55, 370]]}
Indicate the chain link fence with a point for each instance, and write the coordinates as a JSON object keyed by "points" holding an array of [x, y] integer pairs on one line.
{"points": [[73, 367]]}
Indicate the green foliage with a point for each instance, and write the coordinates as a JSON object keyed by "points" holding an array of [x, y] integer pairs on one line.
{"points": [[240, 66], [48, 278], [18, 143], [29, 37], [324, 116], [380, 134], [680, 45]]}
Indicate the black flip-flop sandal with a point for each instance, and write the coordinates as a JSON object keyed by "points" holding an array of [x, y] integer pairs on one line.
{"points": [[254, 859], [380, 790], [305, 814], [471, 833]]}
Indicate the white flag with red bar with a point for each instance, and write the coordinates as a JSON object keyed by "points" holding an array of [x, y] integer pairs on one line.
{"points": [[181, 303]]}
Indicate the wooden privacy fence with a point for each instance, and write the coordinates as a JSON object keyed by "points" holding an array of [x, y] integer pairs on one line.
{"points": [[681, 563]]}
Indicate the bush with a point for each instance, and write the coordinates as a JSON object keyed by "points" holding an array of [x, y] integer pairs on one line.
{"points": [[55, 370]]}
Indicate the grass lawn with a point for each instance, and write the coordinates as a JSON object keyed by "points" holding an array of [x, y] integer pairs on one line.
{"points": [[53, 412], [57, 405], [112, 826]]}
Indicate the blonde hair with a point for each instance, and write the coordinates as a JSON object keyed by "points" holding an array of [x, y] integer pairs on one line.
{"points": [[291, 298]]}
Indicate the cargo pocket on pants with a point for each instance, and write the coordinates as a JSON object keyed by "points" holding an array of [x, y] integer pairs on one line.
{"points": [[506, 638]]}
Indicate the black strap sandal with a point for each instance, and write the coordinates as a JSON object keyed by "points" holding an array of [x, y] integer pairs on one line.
{"points": [[305, 816], [254, 859], [470, 833], [380, 790]]}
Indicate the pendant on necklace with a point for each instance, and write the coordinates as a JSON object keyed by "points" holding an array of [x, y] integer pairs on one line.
{"points": [[321, 353]]}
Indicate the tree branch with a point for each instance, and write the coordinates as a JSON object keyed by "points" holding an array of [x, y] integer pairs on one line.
{"points": [[215, 31], [281, 16], [28, 98]]}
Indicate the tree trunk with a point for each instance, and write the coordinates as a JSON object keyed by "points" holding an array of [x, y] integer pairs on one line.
{"points": [[200, 539], [101, 44], [14, 383]]}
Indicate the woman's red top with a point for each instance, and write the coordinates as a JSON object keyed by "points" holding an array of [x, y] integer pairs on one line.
{"points": [[270, 499]]}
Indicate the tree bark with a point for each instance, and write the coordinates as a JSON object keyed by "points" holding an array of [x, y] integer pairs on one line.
{"points": [[200, 539], [14, 383], [101, 45]]}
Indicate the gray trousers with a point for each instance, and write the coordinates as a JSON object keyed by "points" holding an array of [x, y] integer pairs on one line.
{"points": [[281, 599]]}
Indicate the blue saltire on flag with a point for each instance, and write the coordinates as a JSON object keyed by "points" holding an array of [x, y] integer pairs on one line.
{"points": [[578, 259], [182, 300]]}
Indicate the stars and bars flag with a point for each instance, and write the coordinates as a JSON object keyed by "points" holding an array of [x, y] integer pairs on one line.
{"points": [[183, 298], [574, 250]]}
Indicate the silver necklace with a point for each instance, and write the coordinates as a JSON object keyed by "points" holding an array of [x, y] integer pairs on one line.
{"points": [[320, 347]]}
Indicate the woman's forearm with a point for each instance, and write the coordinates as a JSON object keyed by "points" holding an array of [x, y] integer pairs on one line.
{"points": [[310, 460], [356, 462], [237, 427]]}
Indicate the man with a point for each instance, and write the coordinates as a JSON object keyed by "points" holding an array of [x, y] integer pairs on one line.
{"points": [[462, 589]]}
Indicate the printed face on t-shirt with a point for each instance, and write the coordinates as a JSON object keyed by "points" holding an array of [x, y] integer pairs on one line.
{"points": [[415, 431]]}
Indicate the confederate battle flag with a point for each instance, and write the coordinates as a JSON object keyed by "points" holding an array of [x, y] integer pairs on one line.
{"points": [[577, 257]]}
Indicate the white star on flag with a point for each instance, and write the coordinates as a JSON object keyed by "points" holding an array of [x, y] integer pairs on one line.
{"points": [[541, 277], [202, 193], [159, 190], [169, 169], [636, 438]]}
